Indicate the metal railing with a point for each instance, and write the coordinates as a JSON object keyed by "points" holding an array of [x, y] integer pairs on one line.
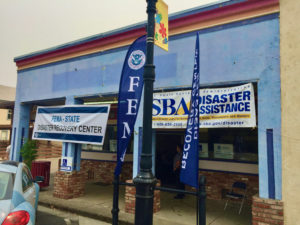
{"points": [[200, 194]]}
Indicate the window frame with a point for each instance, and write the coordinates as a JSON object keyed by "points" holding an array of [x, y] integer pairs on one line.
{"points": [[9, 114], [25, 171]]}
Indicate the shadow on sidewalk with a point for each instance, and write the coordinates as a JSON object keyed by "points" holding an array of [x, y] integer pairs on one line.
{"points": [[97, 204]]}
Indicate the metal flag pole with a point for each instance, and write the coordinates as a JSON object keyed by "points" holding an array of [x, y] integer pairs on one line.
{"points": [[145, 181]]}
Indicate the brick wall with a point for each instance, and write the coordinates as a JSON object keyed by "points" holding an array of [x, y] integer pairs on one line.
{"points": [[267, 211], [49, 149], [130, 199], [46, 149], [69, 185], [126, 171], [3, 154], [218, 183], [102, 171]]}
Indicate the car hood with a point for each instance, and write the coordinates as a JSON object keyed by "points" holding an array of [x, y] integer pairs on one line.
{"points": [[5, 208]]}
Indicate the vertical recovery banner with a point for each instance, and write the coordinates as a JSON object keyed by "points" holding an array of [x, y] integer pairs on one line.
{"points": [[161, 36], [189, 162], [130, 91]]}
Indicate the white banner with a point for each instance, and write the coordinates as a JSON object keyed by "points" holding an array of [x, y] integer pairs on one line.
{"points": [[219, 107], [78, 124]]}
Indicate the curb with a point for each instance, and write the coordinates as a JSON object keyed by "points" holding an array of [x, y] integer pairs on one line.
{"points": [[84, 213]]}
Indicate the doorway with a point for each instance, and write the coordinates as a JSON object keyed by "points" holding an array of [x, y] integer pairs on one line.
{"points": [[166, 142]]}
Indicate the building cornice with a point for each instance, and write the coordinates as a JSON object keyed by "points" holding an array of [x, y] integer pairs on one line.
{"points": [[179, 24]]}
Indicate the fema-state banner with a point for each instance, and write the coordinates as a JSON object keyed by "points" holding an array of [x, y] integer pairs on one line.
{"points": [[77, 124], [219, 107]]}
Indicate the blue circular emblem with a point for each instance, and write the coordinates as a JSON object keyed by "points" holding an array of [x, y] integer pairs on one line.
{"points": [[136, 59]]}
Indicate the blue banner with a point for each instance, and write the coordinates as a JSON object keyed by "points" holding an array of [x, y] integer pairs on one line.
{"points": [[130, 91], [190, 162]]}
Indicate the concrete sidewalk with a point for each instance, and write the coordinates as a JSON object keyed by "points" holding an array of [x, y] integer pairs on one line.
{"points": [[97, 204], [52, 216]]}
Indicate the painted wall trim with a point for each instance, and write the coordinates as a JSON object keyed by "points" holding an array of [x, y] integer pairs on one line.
{"points": [[104, 156], [104, 152], [204, 19], [99, 160], [13, 145], [221, 171], [270, 158], [228, 167]]}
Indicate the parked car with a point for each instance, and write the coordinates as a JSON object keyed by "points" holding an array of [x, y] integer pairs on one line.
{"points": [[19, 194]]}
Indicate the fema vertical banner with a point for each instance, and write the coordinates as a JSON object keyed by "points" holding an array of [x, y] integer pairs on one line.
{"points": [[161, 36], [189, 163], [130, 91]]}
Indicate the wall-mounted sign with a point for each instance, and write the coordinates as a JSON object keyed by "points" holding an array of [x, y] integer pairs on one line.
{"points": [[66, 164], [223, 151], [78, 124], [203, 150], [219, 107]]}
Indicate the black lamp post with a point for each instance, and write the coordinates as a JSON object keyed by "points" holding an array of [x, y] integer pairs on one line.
{"points": [[145, 181]]}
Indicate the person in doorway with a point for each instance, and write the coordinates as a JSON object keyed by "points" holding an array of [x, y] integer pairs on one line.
{"points": [[176, 170], [7, 152]]}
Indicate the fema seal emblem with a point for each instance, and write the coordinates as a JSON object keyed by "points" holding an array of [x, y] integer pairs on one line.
{"points": [[136, 60]]}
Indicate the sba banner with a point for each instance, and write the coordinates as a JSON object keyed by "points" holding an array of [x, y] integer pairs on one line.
{"points": [[130, 91], [78, 124], [218, 107]]}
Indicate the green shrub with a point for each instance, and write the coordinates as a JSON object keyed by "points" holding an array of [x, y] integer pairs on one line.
{"points": [[29, 152]]}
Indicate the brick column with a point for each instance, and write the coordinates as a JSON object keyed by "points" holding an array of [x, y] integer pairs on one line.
{"points": [[69, 185], [267, 211], [130, 199]]}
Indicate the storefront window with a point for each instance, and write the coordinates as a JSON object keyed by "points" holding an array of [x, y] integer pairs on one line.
{"points": [[110, 142], [220, 144], [237, 144], [4, 135]]}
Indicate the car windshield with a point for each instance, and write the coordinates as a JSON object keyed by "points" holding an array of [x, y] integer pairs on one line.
{"points": [[6, 185]]}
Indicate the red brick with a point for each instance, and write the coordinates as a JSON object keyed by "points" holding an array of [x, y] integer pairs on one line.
{"points": [[130, 199], [69, 185], [262, 205], [280, 213], [267, 211]]}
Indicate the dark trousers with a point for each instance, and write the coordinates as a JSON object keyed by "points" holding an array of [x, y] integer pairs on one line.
{"points": [[178, 184]]}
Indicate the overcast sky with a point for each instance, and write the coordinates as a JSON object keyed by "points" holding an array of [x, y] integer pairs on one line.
{"points": [[30, 25]]}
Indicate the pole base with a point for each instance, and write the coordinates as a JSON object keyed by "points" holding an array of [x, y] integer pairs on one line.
{"points": [[145, 184]]}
